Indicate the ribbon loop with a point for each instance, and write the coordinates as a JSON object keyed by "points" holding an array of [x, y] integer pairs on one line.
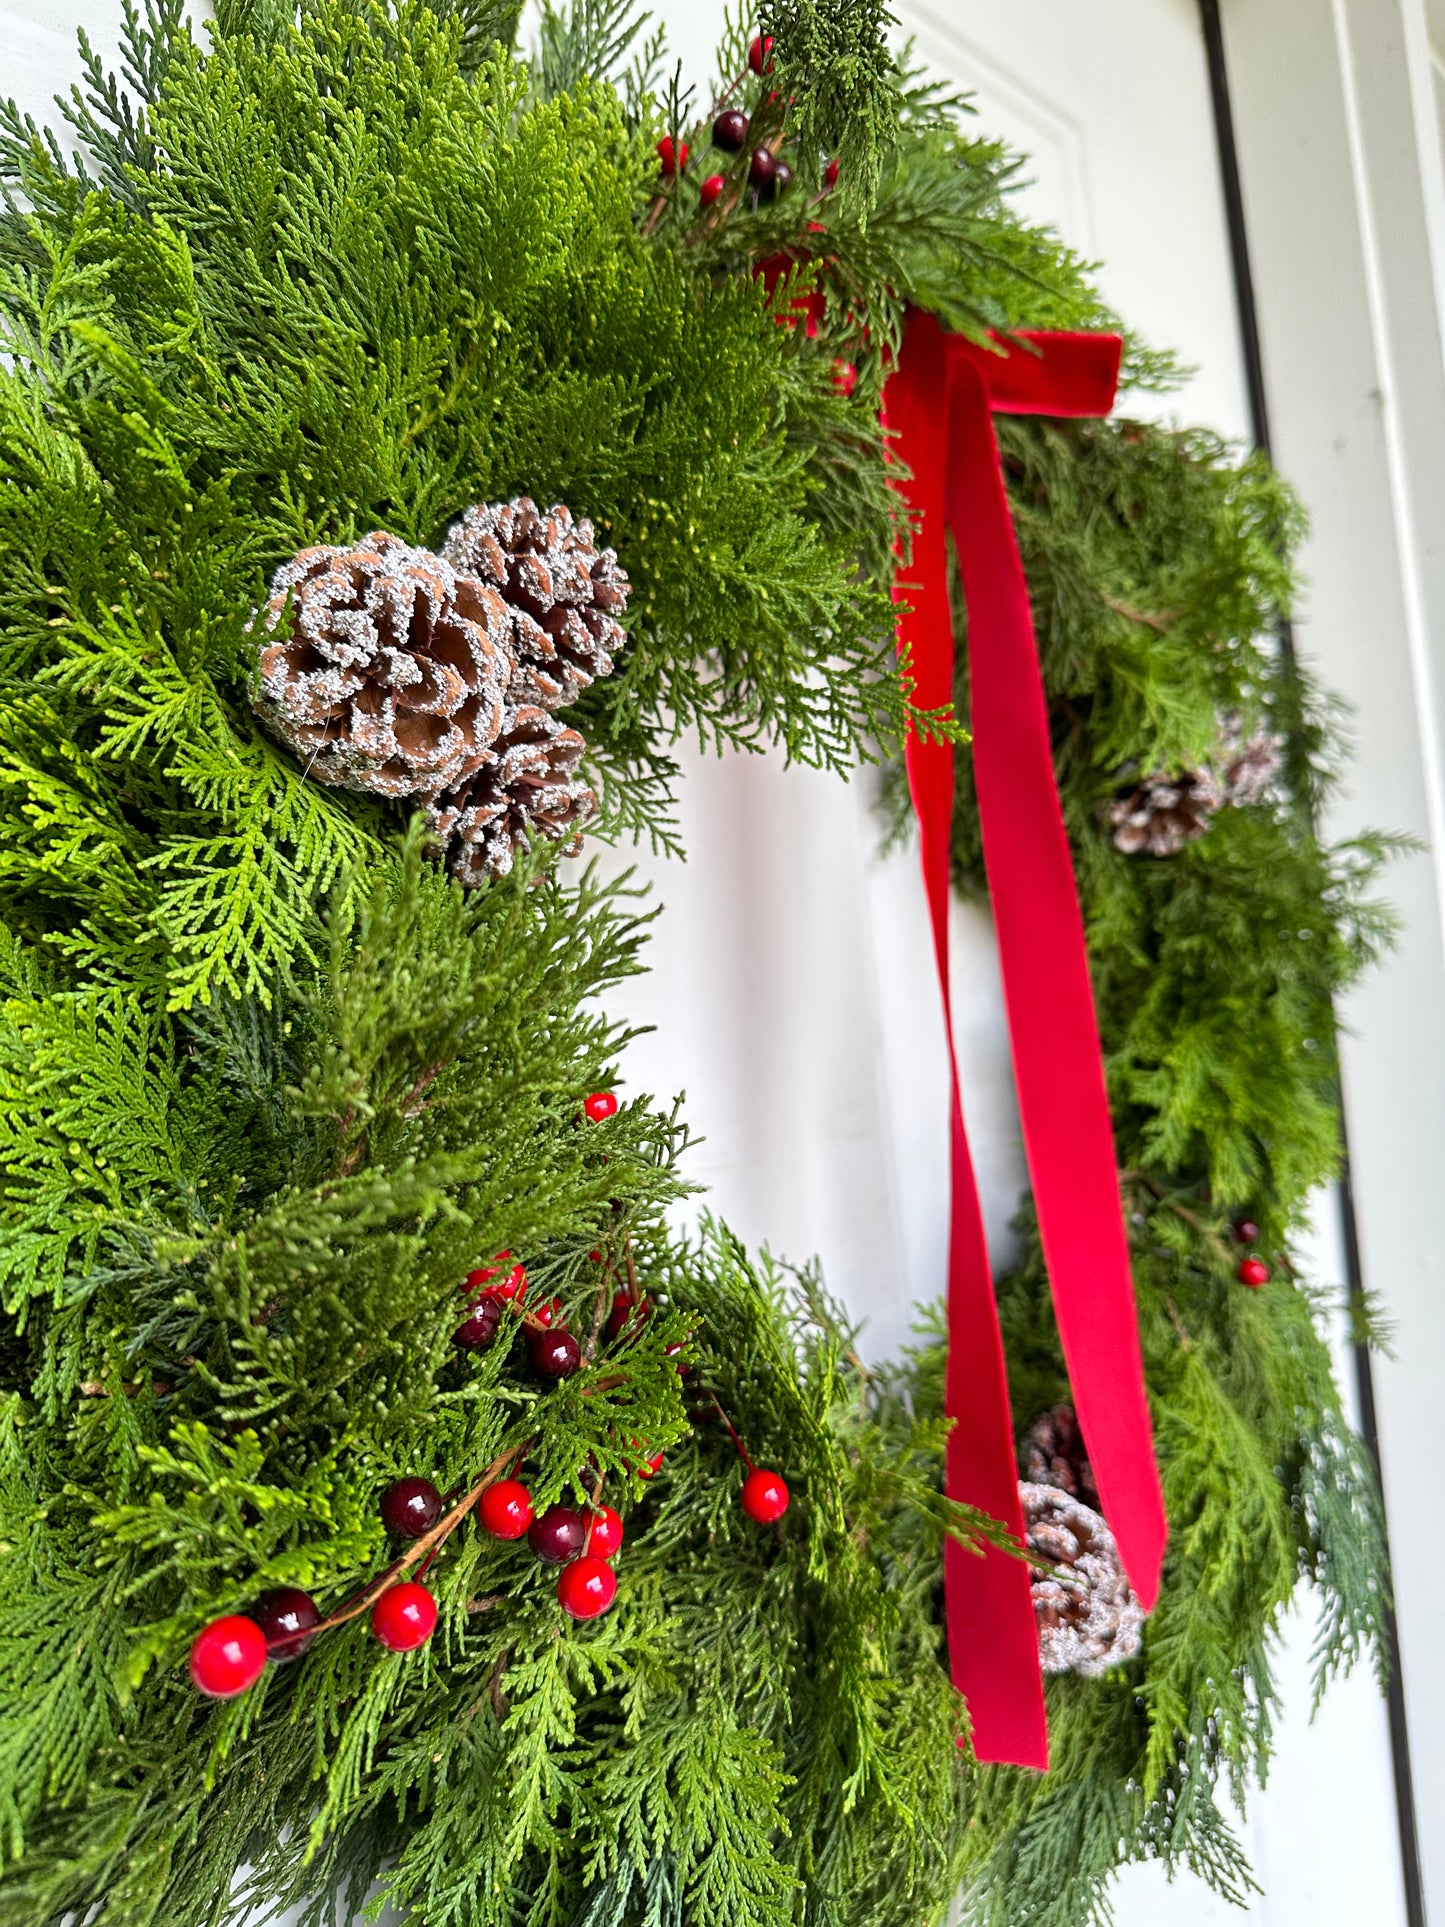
{"points": [[939, 403]]}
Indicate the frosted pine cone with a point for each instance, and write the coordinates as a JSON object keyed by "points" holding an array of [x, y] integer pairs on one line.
{"points": [[394, 673], [527, 788], [1250, 765], [564, 592], [1088, 1617], [1165, 812], [1054, 1454]]}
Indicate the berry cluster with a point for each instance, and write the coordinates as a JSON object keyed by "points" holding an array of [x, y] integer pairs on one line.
{"points": [[1253, 1272]]}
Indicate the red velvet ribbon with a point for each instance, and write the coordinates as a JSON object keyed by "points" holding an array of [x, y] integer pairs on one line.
{"points": [[939, 404]]}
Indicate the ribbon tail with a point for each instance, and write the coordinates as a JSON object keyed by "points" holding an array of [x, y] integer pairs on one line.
{"points": [[1063, 1102]]}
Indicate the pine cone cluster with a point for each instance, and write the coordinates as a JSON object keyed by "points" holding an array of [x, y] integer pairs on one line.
{"points": [[1054, 1454], [1087, 1614], [411, 674], [1158, 816]]}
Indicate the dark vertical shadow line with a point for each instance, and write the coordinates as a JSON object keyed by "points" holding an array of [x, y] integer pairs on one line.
{"points": [[1249, 337]]}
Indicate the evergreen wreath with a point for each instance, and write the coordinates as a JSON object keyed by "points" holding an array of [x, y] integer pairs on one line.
{"points": [[274, 1090]]}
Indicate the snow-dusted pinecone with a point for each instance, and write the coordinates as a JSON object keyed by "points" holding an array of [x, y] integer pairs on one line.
{"points": [[1250, 764], [564, 592], [1054, 1454], [1163, 813], [1087, 1615], [527, 788], [392, 674]]}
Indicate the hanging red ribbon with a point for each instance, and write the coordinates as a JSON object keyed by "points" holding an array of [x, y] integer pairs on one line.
{"points": [[939, 404]]}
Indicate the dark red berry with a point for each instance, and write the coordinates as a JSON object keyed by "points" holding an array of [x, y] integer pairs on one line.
{"points": [[730, 131], [764, 1496], [830, 174], [288, 1618], [586, 1588], [781, 181], [505, 1509], [1253, 1272], [594, 1254], [673, 156], [760, 54], [559, 1535], [627, 1315], [404, 1617], [410, 1507], [711, 188], [762, 167], [1247, 1231], [604, 1532], [671, 1351], [555, 1354], [845, 377], [481, 1324], [227, 1657]]}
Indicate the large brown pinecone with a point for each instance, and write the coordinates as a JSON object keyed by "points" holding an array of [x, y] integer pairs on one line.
{"points": [[527, 788], [1088, 1617], [564, 592], [393, 674], [1054, 1454], [1163, 813]]}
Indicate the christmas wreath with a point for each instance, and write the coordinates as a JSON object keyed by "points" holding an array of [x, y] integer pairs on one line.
{"points": [[402, 444]]}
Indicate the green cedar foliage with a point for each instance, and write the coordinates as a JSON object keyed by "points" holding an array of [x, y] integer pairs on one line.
{"points": [[1159, 565]]}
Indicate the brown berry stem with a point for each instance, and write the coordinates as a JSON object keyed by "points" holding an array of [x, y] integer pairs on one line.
{"points": [[732, 1433]]}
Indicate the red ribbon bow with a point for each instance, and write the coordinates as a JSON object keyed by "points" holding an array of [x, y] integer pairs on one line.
{"points": [[939, 403]]}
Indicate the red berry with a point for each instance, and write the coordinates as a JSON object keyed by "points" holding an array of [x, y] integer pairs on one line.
{"points": [[604, 1533], [559, 1535], [1247, 1231], [410, 1507], [601, 1104], [227, 1657], [627, 1315], [594, 1254], [288, 1618], [480, 1326], [762, 167], [845, 377], [1253, 1272], [760, 54], [586, 1588], [649, 1468], [505, 1509], [782, 180], [513, 1286], [673, 157], [545, 1314], [830, 174], [404, 1617], [730, 131], [554, 1354], [711, 188], [764, 1496]]}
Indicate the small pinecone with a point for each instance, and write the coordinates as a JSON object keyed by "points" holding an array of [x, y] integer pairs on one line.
{"points": [[1088, 1617], [527, 788], [565, 594], [395, 670], [1251, 765], [1054, 1454], [1164, 812]]}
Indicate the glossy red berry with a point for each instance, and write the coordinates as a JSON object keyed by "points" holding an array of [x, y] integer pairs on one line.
{"points": [[711, 188], [762, 167], [764, 1496], [601, 1104], [505, 1509], [1247, 1231], [555, 1354], [730, 131], [586, 1588], [1253, 1272], [604, 1532], [760, 54], [845, 377], [627, 1315], [227, 1657], [649, 1468], [480, 1325], [549, 1313], [559, 1535], [513, 1285], [404, 1617], [410, 1507], [673, 155], [830, 174], [288, 1619]]}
